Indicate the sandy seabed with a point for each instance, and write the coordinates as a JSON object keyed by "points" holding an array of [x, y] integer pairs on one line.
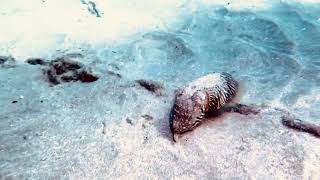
{"points": [[114, 128]]}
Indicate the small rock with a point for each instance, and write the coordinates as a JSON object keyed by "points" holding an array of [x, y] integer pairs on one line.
{"points": [[87, 76], [7, 61], [4, 59], [92, 8], [150, 85], [36, 61], [129, 121], [145, 139], [104, 127], [147, 117]]}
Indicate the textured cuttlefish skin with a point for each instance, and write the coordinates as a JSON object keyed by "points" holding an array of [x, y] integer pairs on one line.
{"points": [[205, 94]]}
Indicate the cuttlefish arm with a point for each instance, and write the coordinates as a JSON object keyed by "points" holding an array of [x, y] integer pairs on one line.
{"points": [[288, 120], [294, 123], [240, 108]]}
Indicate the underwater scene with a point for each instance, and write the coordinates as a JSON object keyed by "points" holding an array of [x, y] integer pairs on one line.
{"points": [[162, 89]]}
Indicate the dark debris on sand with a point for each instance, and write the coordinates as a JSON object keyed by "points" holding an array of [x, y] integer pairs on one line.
{"points": [[150, 85], [7, 61], [36, 61], [66, 70]]}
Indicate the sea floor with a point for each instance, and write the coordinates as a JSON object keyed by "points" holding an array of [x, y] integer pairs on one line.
{"points": [[114, 128]]}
